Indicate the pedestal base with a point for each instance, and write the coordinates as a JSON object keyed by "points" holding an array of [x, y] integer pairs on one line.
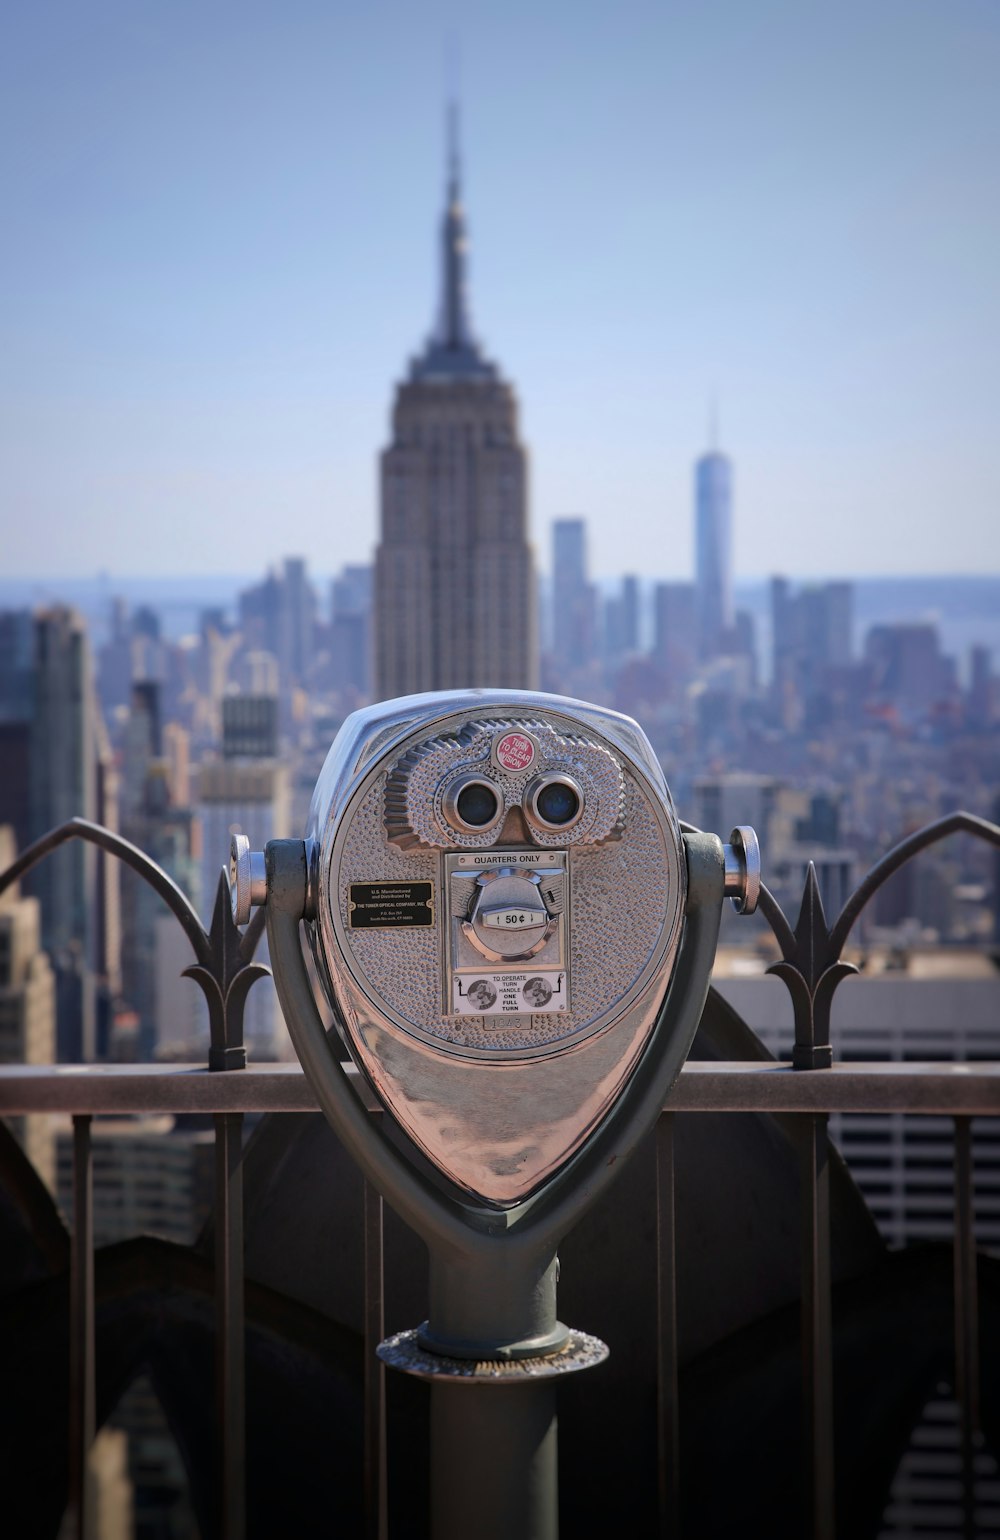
{"points": [[404, 1352]]}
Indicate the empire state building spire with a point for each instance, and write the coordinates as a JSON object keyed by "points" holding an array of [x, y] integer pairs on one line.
{"points": [[454, 574], [453, 349], [454, 331]]}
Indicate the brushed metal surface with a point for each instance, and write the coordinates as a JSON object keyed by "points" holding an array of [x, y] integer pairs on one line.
{"points": [[420, 784]]}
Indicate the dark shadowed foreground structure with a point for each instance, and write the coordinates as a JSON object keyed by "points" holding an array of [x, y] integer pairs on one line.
{"points": [[770, 1358]]}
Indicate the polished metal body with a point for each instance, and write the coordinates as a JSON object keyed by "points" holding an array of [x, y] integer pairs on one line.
{"points": [[500, 1032]]}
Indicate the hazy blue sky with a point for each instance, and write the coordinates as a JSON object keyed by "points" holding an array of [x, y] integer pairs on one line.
{"points": [[220, 250]]}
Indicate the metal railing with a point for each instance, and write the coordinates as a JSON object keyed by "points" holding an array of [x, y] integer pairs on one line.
{"points": [[810, 1089], [962, 1091]]}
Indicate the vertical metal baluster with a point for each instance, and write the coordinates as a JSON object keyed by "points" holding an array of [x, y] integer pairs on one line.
{"points": [[667, 1411], [230, 1367], [966, 1317], [82, 1399], [817, 1326], [376, 1496]]}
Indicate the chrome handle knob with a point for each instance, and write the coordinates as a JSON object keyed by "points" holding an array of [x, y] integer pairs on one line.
{"points": [[247, 878], [743, 869]]}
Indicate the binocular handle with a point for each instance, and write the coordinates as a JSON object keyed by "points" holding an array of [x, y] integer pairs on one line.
{"points": [[742, 856]]}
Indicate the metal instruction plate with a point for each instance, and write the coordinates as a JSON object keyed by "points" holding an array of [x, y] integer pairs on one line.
{"points": [[506, 994]]}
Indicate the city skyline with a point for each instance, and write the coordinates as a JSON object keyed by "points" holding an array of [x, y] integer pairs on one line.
{"points": [[222, 245]]}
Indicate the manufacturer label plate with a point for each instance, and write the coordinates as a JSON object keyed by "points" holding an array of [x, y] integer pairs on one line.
{"points": [[390, 905]]}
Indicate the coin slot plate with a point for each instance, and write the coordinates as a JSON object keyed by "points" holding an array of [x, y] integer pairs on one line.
{"points": [[508, 954]]}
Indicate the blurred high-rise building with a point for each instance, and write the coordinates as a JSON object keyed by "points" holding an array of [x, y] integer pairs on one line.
{"points": [[27, 1006], [810, 631], [279, 616], [737, 797], [249, 727], [675, 634], [245, 792], [153, 820], [17, 696], [713, 552], [63, 774], [17, 644], [622, 622], [982, 698], [296, 621], [56, 767], [907, 666], [454, 586], [574, 601], [350, 629]]}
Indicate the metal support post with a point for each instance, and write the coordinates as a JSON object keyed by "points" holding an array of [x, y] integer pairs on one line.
{"points": [[496, 1302], [667, 1410], [376, 1492], [493, 1351], [230, 1373], [817, 1327], [966, 1318], [82, 1397], [493, 1460]]}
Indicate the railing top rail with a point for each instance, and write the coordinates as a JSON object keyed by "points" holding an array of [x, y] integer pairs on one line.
{"points": [[968, 1089]]}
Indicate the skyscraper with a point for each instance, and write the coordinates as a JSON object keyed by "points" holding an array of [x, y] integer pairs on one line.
{"points": [[247, 791], [674, 634], [810, 632], [152, 820], [62, 775], [574, 601], [454, 588], [279, 616], [713, 552], [27, 1006], [621, 623], [54, 767], [350, 629]]}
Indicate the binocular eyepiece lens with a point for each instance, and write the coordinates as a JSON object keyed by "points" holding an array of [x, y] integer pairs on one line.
{"points": [[555, 802], [477, 804], [472, 804]]}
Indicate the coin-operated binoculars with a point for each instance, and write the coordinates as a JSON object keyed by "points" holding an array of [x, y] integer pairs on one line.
{"points": [[515, 938]]}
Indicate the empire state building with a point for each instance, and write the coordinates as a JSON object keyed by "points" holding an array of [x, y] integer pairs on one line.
{"points": [[454, 579]]}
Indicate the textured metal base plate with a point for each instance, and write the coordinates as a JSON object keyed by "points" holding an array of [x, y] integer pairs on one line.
{"points": [[404, 1352]]}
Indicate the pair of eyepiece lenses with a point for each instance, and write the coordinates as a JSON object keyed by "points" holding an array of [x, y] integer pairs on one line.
{"points": [[473, 805]]}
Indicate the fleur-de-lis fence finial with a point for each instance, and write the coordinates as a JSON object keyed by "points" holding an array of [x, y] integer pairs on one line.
{"points": [[223, 968]]}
